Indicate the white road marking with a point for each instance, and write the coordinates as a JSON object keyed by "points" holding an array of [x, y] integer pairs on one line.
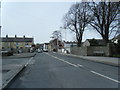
{"points": [[29, 61], [105, 76], [63, 60], [78, 65]]}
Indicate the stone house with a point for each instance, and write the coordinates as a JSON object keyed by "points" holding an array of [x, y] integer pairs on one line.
{"points": [[16, 44], [56, 45], [94, 42]]}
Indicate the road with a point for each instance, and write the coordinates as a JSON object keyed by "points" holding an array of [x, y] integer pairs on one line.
{"points": [[52, 70]]}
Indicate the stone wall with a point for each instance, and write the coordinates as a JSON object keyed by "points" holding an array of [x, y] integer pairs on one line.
{"points": [[90, 51], [98, 50], [79, 50]]}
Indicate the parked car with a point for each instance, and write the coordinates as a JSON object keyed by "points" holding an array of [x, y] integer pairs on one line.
{"points": [[39, 50], [6, 53]]}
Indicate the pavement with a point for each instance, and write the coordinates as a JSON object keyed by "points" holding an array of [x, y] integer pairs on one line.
{"points": [[12, 65], [100, 59]]}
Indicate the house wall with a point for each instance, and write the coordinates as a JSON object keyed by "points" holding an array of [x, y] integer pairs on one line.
{"points": [[49, 48], [86, 43], [14, 45]]}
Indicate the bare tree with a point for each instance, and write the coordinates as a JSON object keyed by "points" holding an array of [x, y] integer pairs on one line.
{"points": [[77, 18], [106, 18], [57, 35]]}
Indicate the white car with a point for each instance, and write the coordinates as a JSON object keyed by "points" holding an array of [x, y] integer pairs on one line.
{"points": [[45, 50], [39, 50]]}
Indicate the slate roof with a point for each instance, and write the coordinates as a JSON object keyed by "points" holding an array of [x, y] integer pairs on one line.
{"points": [[12, 39], [96, 42], [70, 42]]}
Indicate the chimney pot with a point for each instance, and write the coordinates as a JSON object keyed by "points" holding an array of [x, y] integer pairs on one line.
{"points": [[24, 36], [6, 36], [15, 36]]}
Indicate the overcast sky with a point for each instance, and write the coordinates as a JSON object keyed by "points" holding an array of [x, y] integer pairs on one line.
{"points": [[36, 19]]}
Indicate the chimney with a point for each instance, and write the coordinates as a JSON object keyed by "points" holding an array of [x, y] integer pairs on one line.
{"points": [[24, 36], [15, 36], [6, 36]]}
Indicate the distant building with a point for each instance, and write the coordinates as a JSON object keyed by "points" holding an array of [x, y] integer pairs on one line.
{"points": [[40, 46], [116, 39], [56, 45], [94, 42], [46, 47], [22, 44], [68, 45]]}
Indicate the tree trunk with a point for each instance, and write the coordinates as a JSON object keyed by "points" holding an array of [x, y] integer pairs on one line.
{"points": [[105, 38], [79, 41]]}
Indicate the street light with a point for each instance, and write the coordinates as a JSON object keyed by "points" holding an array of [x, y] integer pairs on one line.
{"points": [[65, 31]]}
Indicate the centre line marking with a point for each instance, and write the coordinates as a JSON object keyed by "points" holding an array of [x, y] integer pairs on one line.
{"points": [[105, 76], [78, 65], [63, 60]]}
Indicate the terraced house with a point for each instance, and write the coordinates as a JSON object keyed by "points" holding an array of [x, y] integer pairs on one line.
{"points": [[17, 44]]}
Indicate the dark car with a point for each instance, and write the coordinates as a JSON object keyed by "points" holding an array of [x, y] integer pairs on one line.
{"points": [[6, 53]]}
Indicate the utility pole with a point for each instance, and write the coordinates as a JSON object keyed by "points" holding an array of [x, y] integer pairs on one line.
{"points": [[65, 34], [57, 44], [1, 55]]}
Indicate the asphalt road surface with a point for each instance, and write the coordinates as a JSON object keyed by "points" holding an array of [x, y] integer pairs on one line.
{"points": [[52, 70]]}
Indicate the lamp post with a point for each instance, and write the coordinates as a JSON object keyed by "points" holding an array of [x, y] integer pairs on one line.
{"points": [[57, 44], [65, 35], [65, 32]]}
